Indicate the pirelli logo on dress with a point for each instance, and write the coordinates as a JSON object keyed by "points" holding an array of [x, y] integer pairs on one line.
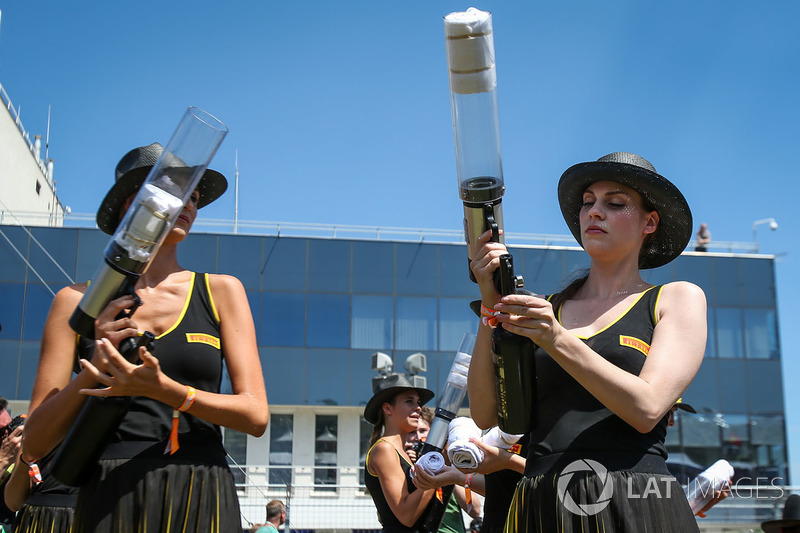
{"points": [[202, 338], [634, 343]]}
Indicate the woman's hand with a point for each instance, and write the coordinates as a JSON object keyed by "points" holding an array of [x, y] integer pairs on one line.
{"points": [[494, 459], [449, 475], [529, 316], [107, 326], [484, 264], [123, 378]]}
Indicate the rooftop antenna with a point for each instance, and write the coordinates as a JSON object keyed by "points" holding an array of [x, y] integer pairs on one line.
{"points": [[47, 138], [236, 196]]}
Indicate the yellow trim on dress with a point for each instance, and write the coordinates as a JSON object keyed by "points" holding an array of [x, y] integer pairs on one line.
{"points": [[620, 317], [211, 298], [183, 311], [655, 307], [366, 462]]}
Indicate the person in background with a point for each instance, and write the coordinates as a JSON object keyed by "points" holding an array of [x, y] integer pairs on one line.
{"points": [[165, 466], [613, 354], [394, 412], [703, 238], [276, 516], [10, 441], [452, 522]]}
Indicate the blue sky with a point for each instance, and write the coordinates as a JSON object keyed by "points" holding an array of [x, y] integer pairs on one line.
{"points": [[340, 113]]}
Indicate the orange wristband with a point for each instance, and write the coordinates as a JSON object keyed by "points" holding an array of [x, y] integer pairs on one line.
{"points": [[189, 400], [468, 492]]}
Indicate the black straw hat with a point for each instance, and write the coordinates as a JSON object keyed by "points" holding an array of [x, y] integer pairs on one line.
{"points": [[791, 516], [131, 172], [675, 218], [383, 390], [680, 404]]}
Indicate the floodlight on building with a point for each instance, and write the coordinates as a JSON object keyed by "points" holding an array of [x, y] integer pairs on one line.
{"points": [[382, 363], [773, 225], [416, 363]]}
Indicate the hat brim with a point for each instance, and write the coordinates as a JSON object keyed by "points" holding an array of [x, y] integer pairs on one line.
{"points": [[774, 526], [212, 186], [675, 217], [686, 407], [374, 404]]}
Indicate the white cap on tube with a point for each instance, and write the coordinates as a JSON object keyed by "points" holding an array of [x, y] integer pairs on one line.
{"points": [[470, 51]]}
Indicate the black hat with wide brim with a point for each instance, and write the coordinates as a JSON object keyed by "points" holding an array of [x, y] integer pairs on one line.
{"points": [[131, 172], [383, 390], [675, 218], [680, 404], [791, 516]]}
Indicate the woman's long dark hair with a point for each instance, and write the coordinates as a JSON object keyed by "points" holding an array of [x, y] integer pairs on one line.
{"points": [[569, 291], [377, 430]]}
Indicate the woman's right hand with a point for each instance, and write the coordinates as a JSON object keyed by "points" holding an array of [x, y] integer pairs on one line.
{"points": [[107, 326], [485, 263]]}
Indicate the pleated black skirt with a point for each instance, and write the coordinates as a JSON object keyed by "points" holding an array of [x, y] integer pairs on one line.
{"points": [[622, 502], [42, 519], [149, 495]]}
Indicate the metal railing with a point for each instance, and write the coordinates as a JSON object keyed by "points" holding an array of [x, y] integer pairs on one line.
{"points": [[347, 506], [344, 231]]}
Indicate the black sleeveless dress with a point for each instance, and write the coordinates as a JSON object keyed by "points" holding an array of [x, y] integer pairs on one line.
{"points": [[50, 506], [587, 470], [387, 518], [137, 487]]}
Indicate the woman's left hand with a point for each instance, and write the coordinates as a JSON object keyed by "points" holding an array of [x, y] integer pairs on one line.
{"points": [[449, 475], [529, 316], [124, 378]]}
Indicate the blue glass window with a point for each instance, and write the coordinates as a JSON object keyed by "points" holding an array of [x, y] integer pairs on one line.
{"points": [[734, 393], [325, 451], [13, 242], [703, 393], [37, 307], [729, 332], [416, 324], [455, 319], [762, 293], [329, 371], [372, 325], [761, 333], [283, 319], [199, 253], [284, 374], [416, 268], [328, 321], [727, 283], [91, 247], [543, 270], [11, 296], [454, 272], [62, 247], [361, 375], [763, 379], [284, 264], [281, 437], [329, 266], [373, 267], [238, 255], [9, 362]]}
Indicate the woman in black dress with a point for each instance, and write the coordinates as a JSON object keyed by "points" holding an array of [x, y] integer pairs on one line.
{"points": [[200, 321], [613, 354]]}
